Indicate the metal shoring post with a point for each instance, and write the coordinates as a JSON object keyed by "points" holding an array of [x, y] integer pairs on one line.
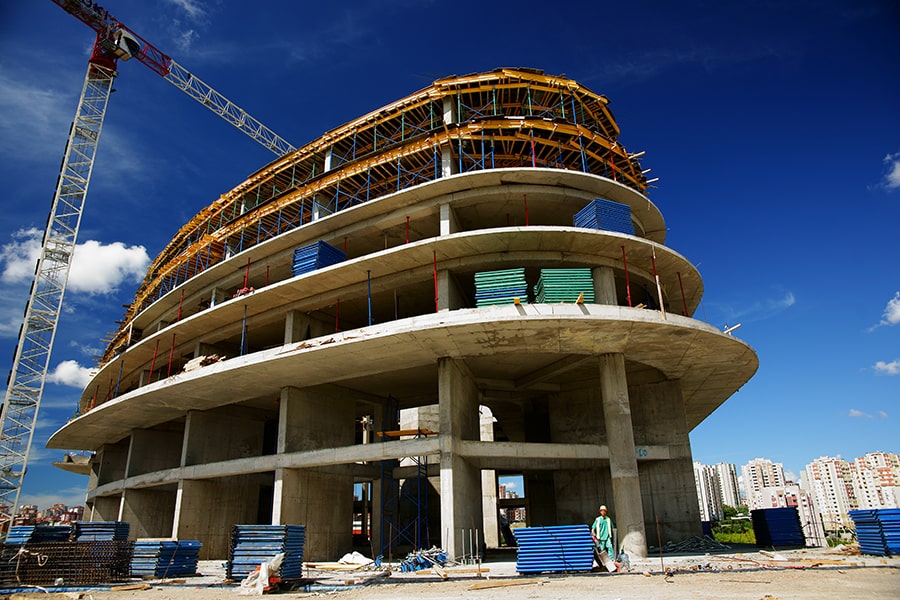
{"points": [[574, 112], [369, 294], [244, 333], [562, 105], [119, 378], [584, 168]]}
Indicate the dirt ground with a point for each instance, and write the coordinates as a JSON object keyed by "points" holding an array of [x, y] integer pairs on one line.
{"points": [[795, 575]]}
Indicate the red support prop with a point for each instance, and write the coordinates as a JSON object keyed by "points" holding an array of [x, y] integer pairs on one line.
{"points": [[627, 285], [435, 283], [337, 316], [683, 299], [247, 274], [171, 354], [153, 361]]}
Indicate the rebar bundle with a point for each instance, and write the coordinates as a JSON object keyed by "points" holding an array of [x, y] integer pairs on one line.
{"points": [[66, 563]]}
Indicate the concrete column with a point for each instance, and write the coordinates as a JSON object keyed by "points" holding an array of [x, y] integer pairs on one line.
{"points": [[669, 488], [449, 296], [106, 508], [328, 157], [604, 285], [448, 167], [450, 115], [212, 437], [296, 327], [110, 462], [627, 509], [149, 511], [449, 223], [322, 499], [460, 481], [206, 509], [489, 490], [153, 450]]}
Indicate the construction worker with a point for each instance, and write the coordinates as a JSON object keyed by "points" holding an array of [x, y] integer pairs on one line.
{"points": [[601, 531]]}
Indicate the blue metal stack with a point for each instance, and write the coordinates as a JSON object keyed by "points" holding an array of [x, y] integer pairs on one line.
{"points": [[315, 256], [500, 287], [554, 549], [605, 214], [37, 534], [252, 545], [154, 558], [776, 527], [101, 531], [564, 285], [877, 530]]}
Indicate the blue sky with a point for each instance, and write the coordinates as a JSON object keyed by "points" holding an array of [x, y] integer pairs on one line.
{"points": [[774, 129]]}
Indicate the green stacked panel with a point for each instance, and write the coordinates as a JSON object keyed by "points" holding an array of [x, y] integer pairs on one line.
{"points": [[500, 287], [564, 285]]}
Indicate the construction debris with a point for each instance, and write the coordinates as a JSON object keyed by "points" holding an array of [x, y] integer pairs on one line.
{"points": [[692, 544], [424, 559]]}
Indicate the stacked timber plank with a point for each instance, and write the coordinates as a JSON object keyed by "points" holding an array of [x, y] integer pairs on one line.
{"points": [[777, 527], [500, 287], [605, 214], [160, 558], [561, 548], [315, 256], [877, 531], [564, 285], [252, 545]]}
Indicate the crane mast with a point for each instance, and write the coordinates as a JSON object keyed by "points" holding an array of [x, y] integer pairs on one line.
{"points": [[25, 384]]}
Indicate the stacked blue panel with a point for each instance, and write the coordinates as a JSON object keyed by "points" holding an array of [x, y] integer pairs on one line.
{"points": [[605, 214], [315, 256], [777, 527], [106, 531], [554, 549], [252, 545], [165, 559], [878, 531], [38, 534], [500, 287]]}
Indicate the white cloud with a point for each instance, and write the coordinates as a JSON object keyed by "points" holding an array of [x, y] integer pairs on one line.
{"points": [[882, 414], [100, 268], [96, 268], [892, 173], [891, 314], [193, 8], [70, 373], [887, 368], [859, 414], [33, 118]]}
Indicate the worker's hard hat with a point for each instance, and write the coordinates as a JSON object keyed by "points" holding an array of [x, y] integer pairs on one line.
{"points": [[603, 507]]}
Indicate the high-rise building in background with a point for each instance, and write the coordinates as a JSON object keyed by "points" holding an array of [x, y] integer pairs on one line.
{"points": [[729, 488], [757, 474], [839, 486], [708, 492]]}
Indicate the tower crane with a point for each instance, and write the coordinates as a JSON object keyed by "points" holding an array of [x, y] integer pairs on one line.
{"points": [[25, 385]]}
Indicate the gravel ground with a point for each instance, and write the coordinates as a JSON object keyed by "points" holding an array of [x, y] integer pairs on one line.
{"points": [[798, 574]]}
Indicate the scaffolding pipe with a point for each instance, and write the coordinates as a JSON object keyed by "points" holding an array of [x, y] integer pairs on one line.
{"points": [[244, 332], [119, 378]]}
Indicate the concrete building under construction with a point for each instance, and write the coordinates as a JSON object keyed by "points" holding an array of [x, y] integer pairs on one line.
{"points": [[243, 388]]}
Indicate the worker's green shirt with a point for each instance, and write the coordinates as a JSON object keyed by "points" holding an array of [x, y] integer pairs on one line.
{"points": [[602, 528]]}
